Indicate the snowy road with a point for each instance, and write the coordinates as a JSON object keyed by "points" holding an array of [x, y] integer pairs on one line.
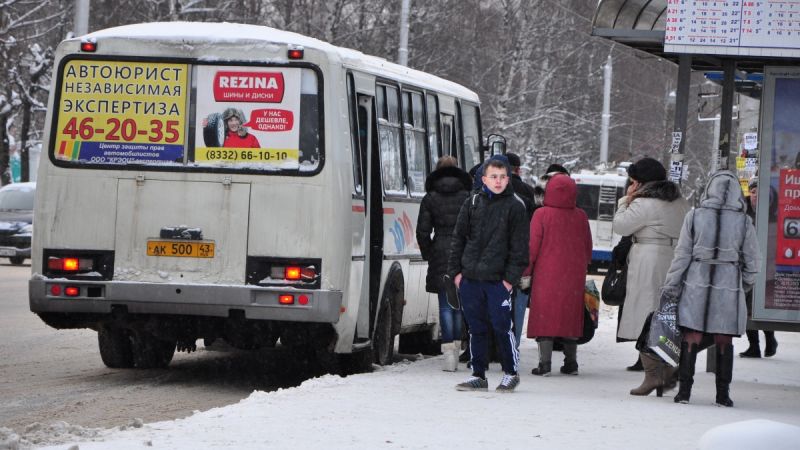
{"points": [[49, 375], [408, 405]]}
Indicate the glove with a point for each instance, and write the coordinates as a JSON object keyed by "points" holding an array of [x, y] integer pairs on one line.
{"points": [[524, 283], [671, 292]]}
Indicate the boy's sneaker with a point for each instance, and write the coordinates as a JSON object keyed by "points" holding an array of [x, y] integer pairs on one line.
{"points": [[570, 368], [508, 384], [473, 384]]}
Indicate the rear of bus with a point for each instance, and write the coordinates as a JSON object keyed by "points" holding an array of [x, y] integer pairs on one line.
{"points": [[187, 192]]}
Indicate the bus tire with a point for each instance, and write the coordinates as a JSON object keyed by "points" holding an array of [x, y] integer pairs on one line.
{"points": [[214, 131], [17, 260], [357, 362], [383, 343], [419, 342], [115, 347], [150, 352]]}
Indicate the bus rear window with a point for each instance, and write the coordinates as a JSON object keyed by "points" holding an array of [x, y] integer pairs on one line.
{"points": [[588, 200], [140, 115]]}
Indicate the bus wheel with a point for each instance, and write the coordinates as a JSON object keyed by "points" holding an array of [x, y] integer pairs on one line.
{"points": [[150, 352], [115, 347], [17, 260], [356, 362], [383, 343], [419, 342]]}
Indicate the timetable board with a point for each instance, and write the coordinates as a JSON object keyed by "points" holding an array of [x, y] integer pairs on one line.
{"points": [[733, 27]]}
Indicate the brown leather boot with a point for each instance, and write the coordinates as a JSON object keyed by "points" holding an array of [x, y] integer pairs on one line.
{"points": [[653, 376]]}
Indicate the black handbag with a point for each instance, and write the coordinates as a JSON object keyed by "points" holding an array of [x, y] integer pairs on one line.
{"points": [[613, 291]]}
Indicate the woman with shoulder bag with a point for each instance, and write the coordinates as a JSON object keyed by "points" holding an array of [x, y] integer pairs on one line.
{"points": [[651, 212], [446, 189]]}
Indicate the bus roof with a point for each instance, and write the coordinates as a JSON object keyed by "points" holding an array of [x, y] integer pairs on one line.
{"points": [[190, 33]]}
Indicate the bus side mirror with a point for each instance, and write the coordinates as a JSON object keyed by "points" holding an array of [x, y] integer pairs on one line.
{"points": [[495, 145], [498, 148]]}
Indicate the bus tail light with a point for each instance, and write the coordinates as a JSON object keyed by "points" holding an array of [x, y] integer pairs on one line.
{"points": [[286, 299], [78, 264], [70, 264], [72, 291], [308, 273], [295, 272], [295, 52], [89, 45], [292, 273]]}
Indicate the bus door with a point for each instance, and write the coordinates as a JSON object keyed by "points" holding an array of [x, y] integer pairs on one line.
{"points": [[367, 200]]}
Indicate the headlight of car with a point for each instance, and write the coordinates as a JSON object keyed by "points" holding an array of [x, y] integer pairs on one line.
{"points": [[27, 229]]}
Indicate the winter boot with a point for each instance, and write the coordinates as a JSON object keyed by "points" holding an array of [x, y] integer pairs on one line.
{"points": [[670, 377], [686, 372], [570, 366], [653, 376], [637, 366], [753, 350], [724, 374], [455, 351], [772, 344], [450, 361], [545, 353]]}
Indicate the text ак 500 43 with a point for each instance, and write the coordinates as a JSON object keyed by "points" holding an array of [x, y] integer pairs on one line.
{"points": [[184, 249]]}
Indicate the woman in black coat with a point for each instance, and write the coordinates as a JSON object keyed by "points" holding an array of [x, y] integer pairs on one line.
{"points": [[446, 189]]}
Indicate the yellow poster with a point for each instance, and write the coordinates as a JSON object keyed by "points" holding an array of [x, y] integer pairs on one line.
{"points": [[122, 112]]}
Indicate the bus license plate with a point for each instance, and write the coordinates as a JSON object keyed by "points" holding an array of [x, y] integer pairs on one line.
{"points": [[182, 249]]}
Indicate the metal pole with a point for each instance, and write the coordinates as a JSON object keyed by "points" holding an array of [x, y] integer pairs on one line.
{"points": [[606, 117], [716, 163], [81, 19], [681, 117], [402, 54], [726, 120]]}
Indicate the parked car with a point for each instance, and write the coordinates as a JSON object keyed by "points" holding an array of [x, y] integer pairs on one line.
{"points": [[16, 221]]}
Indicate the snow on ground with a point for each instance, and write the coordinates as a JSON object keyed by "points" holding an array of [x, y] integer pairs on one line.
{"points": [[415, 405]]}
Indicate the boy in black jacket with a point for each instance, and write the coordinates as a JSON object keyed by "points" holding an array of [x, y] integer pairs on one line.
{"points": [[488, 254]]}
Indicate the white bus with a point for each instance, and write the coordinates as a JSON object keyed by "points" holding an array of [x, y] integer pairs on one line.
{"points": [[237, 182], [598, 193]]}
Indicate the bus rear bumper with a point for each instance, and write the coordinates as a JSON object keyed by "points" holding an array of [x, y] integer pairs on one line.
{"points": [[257, 303]]}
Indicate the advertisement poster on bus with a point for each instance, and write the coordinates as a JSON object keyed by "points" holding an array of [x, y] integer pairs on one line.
{"points": [[782, 201], [113, 112], [248, 116]]}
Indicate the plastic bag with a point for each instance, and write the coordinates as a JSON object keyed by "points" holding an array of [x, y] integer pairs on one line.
{"points": [[665, 335], [591, 310]]}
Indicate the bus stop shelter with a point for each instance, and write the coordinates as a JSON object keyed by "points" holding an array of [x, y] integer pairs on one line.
{"points": [[744, 41]]}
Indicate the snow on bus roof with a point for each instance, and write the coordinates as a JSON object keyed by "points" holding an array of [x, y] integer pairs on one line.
{"points": [[206, 32]]}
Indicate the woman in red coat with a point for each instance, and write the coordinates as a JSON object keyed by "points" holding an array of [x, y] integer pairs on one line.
{"points": [[560, 252]]}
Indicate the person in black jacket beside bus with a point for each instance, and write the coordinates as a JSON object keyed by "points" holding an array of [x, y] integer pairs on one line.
{"points": [[487, 257], [446, 188]]}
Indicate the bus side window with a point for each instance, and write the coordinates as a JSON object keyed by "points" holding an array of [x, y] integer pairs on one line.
{"points": [[432, 108], [389, 132], [414, 131], [355, 138], [470, 125], [448, 135]]}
